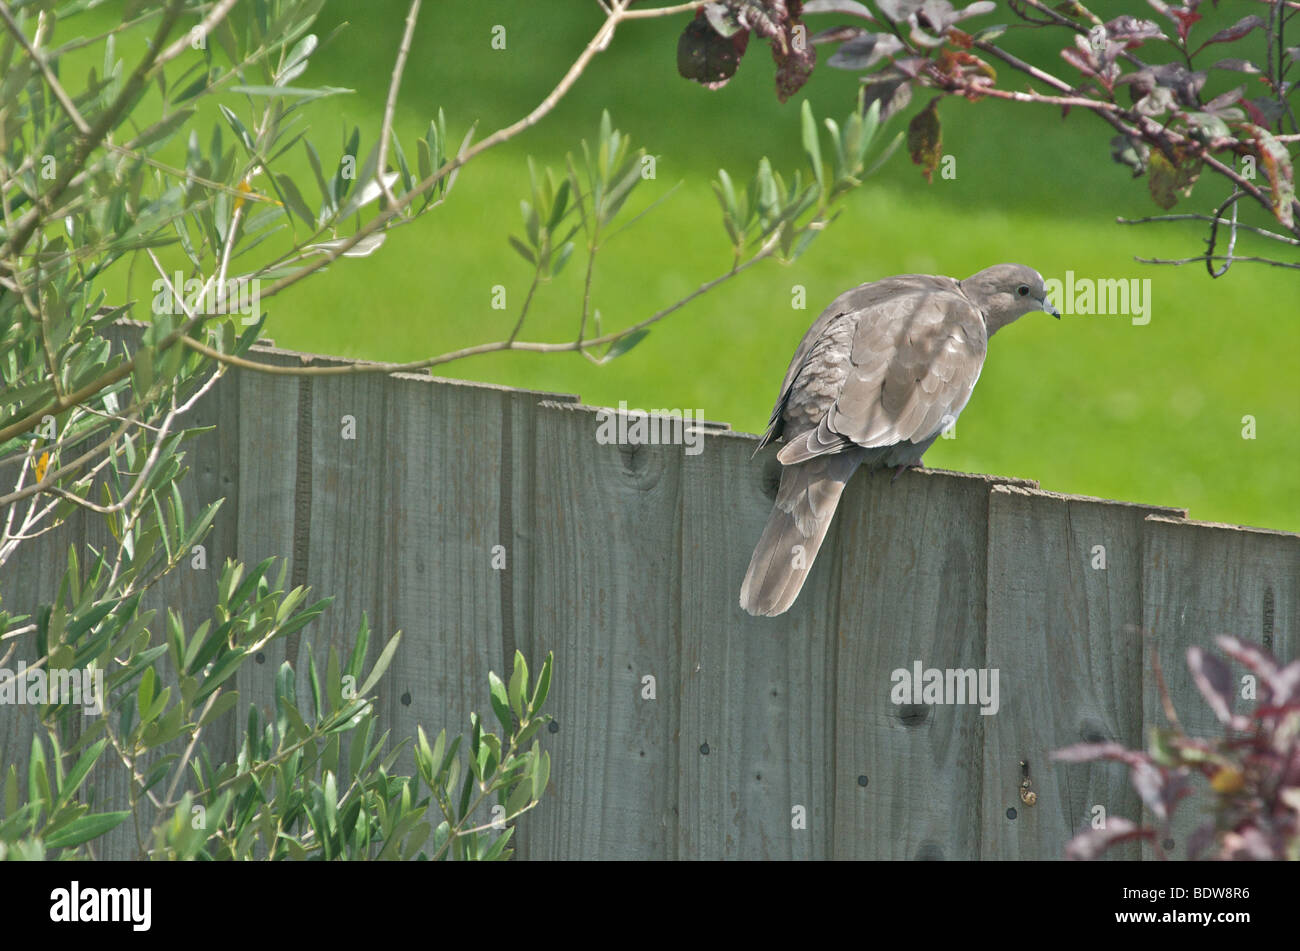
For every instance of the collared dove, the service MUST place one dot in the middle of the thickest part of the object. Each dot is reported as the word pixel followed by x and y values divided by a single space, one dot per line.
pixel 880 374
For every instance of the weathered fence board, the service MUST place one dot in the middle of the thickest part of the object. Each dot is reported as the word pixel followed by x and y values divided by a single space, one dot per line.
pixel 756 694
pixel 1064 608
pixel 437 536
pixel 912 581
pixel 479 519
pixel 606 535
pixel 271 412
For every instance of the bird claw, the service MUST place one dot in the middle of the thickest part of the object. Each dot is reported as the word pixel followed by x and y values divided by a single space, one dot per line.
pixel 898 470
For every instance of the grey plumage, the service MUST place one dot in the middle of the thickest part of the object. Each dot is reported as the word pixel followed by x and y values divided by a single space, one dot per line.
pixel 873 383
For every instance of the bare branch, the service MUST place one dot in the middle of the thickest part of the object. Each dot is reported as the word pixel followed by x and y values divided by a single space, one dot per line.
pixel 769 247
pixel 1217 257
pixel 1214 236
pixel 390 106
pixel 1262 232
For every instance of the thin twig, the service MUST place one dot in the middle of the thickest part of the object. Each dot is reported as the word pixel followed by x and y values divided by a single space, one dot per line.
pixel 348 368
pixel 66 469
pixel 1217 257
pixel 528 299
pixel 662 11
pixel 390 106
pixel 189 750
pixel 1214 236
pixel 1262 232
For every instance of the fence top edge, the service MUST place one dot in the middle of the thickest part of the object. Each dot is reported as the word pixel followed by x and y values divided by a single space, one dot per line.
pixel 1159 519
pixel 307 359
pixel 991 479
pixel 711 427
pixel 1166 511
pixel 1009 485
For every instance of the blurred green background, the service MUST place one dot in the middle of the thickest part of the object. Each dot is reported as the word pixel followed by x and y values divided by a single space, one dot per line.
pixel 1089 405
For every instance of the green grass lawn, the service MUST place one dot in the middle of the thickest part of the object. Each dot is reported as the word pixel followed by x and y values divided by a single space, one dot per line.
pixel 1091 405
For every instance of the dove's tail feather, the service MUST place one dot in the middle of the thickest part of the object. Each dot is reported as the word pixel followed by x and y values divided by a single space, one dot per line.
pixel 805 504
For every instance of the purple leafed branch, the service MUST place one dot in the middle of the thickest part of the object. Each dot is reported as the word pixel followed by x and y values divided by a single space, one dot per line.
pixel 1252 771
pixel 1144 77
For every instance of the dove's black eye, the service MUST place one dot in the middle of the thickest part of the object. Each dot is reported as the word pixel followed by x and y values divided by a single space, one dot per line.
pixel 1023 290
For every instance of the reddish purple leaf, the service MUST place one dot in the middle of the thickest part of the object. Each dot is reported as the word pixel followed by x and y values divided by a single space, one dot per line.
pixel 1286 684
pixel 893 94
pixel 1183 16
pixel 1274 710
pixel 1252 843
pixel 1149 782
pixel 1234 32
pixel 1249 656
pixel 865 51
pixel 1224 100
pixel 1238 65
pixel 1185 21
pixel 1133 31
pixel 1091 843
pixel 706 57
pixel 1213 680
pixel 1090 752
pixel 850 7
pixel 794 63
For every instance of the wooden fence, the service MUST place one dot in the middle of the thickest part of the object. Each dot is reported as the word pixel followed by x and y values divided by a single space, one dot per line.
pixel 686 728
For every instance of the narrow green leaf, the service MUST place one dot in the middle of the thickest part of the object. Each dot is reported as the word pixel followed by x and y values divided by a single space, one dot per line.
pixel 543 686
pixel 518 681
pixel 300 92
pixel 519 800
pixel 626 343
pixel 86 828
pixel 499 703
pixel 542 775
pixel 523 250
pixel 219 707
pixel 561 258
pixel 69 786
pixel 144 695
pixel 381 665
pixel 294 201
pixel 497 850
pixel 811 146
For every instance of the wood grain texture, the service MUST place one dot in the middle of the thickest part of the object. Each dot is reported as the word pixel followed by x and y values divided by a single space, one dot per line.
pixel 1201 581
pixel 265 504
pixel 911 586
pixel 1064 611
pixel 755 744
pixel 606 586
pixel 441 588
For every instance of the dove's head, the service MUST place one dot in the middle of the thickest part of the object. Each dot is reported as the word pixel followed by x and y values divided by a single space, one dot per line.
pixel 1006 292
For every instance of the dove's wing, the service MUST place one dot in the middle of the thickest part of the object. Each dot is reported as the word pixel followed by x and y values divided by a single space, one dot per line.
pixel 894 369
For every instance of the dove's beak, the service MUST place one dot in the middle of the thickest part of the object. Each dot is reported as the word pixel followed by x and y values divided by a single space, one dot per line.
pixel 1047 308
